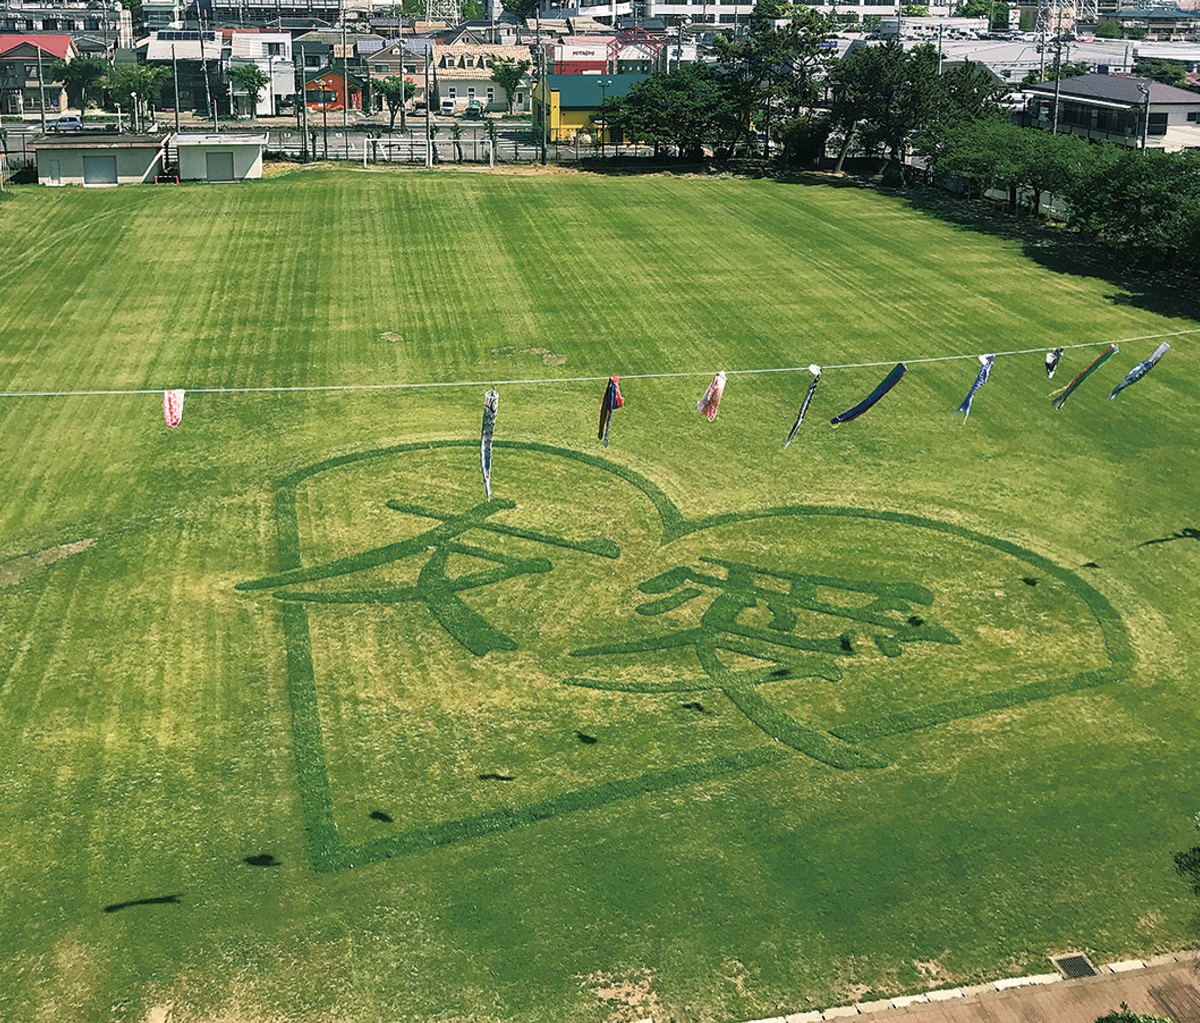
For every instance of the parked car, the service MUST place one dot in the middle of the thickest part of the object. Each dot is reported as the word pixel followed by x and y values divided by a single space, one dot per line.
pixel 68 122
pixel 448 108
pixel 474 110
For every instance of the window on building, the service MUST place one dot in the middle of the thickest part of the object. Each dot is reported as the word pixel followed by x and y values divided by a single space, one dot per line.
pixel 491 94
pixel 1157 125
pixel 274 49
pixel 452 92
pixel 470 92
pixel 1194 116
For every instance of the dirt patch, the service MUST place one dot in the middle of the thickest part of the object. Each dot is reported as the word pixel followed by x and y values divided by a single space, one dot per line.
pixel 930 969
pixel 549 358
pixel 629 998
pixel 390 335
pixel 18 569
pixel 159 1014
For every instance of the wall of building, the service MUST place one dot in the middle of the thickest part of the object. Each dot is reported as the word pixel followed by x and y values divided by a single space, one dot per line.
pixel 193 161
pixel 134 166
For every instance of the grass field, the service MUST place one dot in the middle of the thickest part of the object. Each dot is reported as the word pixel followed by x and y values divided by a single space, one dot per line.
pixel 693 728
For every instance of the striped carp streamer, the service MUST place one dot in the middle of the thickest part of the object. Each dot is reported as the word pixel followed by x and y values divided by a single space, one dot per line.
pixel 985 371
pixel 173 408
pixel 1059 397
pixel 707 406
pixel 808 397
pixel 1052 362
pixel 1140 370
pixel 491 402
pixel 888 382
pixel 611 401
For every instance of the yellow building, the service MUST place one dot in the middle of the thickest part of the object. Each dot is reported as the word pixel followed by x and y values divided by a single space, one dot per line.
pixel 571 104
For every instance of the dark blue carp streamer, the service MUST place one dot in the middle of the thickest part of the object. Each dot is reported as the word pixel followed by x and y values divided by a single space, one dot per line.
pixel 808 397
pixel 491 402
pixel 890 381
pixel 985 371
pixel 611 401
pixel 1059 397
pixel 1052 362
pixel 1140 370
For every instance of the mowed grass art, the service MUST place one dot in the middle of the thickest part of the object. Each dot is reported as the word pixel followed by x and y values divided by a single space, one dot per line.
pixel 299 725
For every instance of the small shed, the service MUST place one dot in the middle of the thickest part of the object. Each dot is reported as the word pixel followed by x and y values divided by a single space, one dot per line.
pixel 98 159
pixel 223 156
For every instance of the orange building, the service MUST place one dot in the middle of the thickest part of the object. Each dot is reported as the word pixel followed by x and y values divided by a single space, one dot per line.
pixel 333 88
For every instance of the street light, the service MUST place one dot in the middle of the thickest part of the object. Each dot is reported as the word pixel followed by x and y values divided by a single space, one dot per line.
pixel 604 84
pixel 1144 89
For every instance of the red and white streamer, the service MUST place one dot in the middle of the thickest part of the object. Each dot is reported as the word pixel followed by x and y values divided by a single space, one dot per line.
pixel 173 408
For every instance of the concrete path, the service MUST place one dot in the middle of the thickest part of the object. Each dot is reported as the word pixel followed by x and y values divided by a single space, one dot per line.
pixel 1165 986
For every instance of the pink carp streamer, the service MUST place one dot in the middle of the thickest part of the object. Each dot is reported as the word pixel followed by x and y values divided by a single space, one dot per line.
pixel 173 408
pixel 707 406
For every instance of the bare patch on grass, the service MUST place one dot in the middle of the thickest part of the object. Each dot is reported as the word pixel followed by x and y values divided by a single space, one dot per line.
pixel 549 358
pixel 18 569
pixel 390 335
pixel 159 1014
pixel 631 997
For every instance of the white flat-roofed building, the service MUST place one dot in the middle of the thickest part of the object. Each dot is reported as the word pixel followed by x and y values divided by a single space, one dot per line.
pixel 224 156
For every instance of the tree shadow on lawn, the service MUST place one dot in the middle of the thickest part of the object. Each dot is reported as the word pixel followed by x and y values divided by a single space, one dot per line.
pixel 1063 251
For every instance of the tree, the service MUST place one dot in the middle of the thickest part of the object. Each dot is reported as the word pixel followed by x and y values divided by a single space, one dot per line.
pixel 1168 72
pixel 687 107
pixel 79 76
pixel 1108 30
pixel 523 9
pixel 1069 70
pixel 507 74
pixel 779 64
pixel 884 98
pixel 1144 203
pixel 914 11
pixel 456 136
pixel 1125 1015
pixel 396 91
pixel 144 79
pixel 994 10
pixel 250 79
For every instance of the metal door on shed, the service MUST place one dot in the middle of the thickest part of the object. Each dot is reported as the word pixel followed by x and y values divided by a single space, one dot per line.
pixel 218 166
pixel 99 170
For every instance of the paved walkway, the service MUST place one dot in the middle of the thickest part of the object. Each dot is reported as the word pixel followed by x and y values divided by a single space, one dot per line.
pixel 1165 986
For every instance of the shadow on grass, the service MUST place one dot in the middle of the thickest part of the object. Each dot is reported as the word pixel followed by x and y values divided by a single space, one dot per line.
pixel 1063 251
pixel 157 900
pixel 1058 249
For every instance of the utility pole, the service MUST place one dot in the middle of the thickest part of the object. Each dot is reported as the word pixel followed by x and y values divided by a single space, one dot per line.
pixel 346 92
pixel 1057 72
pixel 208 96
pixel 175 74
pixel 304 106
pixel 428 107
pixel 542 77
pixel 41 86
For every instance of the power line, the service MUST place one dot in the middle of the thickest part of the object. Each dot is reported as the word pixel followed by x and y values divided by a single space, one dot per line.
pixel 532 381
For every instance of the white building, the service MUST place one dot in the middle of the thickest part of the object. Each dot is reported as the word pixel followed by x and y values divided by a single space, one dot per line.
pixel 271 52
pixel 1127 111
pixel 100 159
pixel 219 157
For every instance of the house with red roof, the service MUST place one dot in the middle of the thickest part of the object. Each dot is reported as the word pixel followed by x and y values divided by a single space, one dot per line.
pixel 26 63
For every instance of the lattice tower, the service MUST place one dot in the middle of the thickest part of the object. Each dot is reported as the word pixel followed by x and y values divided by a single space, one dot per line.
pixel 442 10
pixel 1058 16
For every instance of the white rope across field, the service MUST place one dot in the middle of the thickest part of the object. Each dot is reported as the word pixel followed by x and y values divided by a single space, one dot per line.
pixel 532 381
